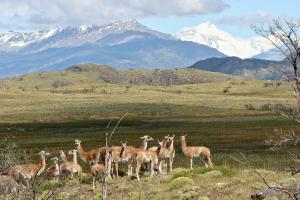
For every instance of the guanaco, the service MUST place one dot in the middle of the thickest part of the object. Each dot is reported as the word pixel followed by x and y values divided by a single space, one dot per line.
pixel 171 148
pixel 132 152
pixel 69 168
pixel 145 157
pixel 167 154
pixel 98 170
pixel 53 171
pixel 92 156
pixel 25 172
pixel 193 152
pixel 118 155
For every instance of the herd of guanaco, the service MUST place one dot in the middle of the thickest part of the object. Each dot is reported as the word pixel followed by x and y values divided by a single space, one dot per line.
pixel 156 159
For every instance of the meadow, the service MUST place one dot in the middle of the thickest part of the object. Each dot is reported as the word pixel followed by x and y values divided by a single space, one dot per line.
pixel 232 117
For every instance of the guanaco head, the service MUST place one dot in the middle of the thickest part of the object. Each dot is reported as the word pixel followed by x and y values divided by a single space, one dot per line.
pixel 72 152
pixel 147 138
pixel 44 153
pixel 55 160
pixel 160 143
pixel 124 144
pixel 62 155
pixel 172 137
pixel 123 150
pixel 77 142
pixel 182 137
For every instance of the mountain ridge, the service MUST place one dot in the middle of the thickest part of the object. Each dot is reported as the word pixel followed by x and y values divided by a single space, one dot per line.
pixel 89 74
pixel 251 67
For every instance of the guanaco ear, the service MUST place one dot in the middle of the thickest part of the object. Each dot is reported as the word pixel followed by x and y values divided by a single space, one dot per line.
pixel 173 136
pixel 126 142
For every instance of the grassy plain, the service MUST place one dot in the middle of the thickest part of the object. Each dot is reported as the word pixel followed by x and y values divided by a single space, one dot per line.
pixel 48 118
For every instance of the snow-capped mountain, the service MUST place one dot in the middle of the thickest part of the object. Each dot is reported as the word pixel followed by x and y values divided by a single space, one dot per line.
pixel 122 44
pixel 69 36
pixel 209 34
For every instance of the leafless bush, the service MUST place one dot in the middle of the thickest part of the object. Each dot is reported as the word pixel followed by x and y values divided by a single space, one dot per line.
pixel 282 139
pixel 8 155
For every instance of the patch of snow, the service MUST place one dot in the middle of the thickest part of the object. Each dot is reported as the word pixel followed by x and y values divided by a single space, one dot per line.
pixel 208 34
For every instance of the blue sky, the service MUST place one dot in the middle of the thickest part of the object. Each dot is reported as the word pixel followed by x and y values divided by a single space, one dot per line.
pixel 234 16
pixel 235 19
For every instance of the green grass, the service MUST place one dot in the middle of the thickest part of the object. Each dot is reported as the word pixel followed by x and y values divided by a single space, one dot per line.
pixel 220 183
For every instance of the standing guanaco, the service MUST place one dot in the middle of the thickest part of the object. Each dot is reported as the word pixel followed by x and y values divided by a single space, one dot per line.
pixel 98 169
pixel 69 168
pixel 131 153
pixel 118 155
pixel 92 156
pixel 194 152
pixel 25 172
pixel 53 171
pixel 145 157
pixel 170 146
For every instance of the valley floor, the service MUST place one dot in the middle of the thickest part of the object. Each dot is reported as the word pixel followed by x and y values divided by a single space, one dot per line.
pixel 220 183
pixel 233 118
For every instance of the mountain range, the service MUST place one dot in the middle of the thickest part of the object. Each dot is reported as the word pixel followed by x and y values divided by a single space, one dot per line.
pixel 129 44
pixel 121 44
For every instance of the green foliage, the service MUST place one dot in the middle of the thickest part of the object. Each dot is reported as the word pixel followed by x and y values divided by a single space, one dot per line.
pixel 180 172
pixel 216 171
pixel 52 184
pixel 180 182
pixel 203 198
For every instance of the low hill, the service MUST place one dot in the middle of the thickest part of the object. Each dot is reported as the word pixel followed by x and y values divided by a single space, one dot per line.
pixel 252 68
pixel 93 73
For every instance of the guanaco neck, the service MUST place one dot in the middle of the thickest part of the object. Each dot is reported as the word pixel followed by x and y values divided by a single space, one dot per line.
pixel 75 158
pixel 42 165
pixel 165 143
pixel 64 158
pixel 171 147
pixel 183 143
pixel 144 145
pixel 158 150
pixel 81 152
pixel 56 166
pixel 123 152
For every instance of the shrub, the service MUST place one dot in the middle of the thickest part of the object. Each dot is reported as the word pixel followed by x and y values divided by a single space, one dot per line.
pixel 249 107
pixel 180 182
pixel 213 173
pixel 226 89
pixel 179 172
pixel 52 184
pixel 60 83
pixel 225 171
pixel 266 107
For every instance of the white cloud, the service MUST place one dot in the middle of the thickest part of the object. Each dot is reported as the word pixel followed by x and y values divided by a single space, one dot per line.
pixel 40 13
pixel 246 20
